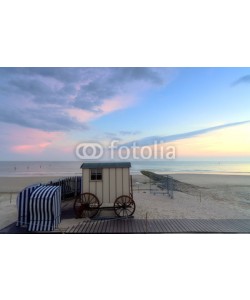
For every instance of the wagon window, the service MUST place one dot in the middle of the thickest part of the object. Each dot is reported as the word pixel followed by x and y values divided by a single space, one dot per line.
pixel 96 174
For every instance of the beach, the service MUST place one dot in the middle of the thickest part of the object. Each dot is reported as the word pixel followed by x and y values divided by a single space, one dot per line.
pixel 213 197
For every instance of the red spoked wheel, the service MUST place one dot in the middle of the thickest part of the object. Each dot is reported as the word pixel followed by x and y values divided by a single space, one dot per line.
pixel 124 206
pixel 86 206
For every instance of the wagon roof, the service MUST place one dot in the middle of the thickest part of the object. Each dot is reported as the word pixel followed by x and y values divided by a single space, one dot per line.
pixel 106 165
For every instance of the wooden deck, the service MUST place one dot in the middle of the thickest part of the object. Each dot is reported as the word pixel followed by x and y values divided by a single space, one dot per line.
pixel 140 226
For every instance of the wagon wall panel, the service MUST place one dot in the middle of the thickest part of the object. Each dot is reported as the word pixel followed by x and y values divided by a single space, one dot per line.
pixel 112 185
pixel 85 181
pixel 92 187
pixel 119 182
pixel 105 182
pixel 126 181
pixel 98 190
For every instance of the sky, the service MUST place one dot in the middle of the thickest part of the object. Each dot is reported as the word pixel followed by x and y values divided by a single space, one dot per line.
pixel 45 113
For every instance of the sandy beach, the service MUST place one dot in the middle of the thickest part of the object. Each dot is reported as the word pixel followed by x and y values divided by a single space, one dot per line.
pixel 215 197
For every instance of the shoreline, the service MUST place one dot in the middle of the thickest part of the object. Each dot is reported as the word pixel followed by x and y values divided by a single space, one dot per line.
pixel 133 174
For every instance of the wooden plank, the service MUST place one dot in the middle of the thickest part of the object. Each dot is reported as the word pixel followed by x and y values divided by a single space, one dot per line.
pixel 71 229
pixel 206 226
pixel 136 228
pixel 199 225
pixel 131 226
pixel 245 223
pixel 140 225
pixel 111 226
pixel 165 224
pixel 118 226
pixel 123 227
pixel 76 228
pixel 127 226
pixel 176 225
pixel 179 225
pixel 162 224
pixel 171 226
pixel 87 226
pixel 226 225
pixel 242 226
pixel 82 228
pixel 100 226
pixel 104 226
pixel 115 224
pixel 158 227
pixel 67 230
pixel 93 227
pixel 153 226
pixel 107 226
pixel 90 226
pixel 210 226
pixel 188 225
pixel 162 229
pixel 234 225
pixel 221 226
pixel 97 225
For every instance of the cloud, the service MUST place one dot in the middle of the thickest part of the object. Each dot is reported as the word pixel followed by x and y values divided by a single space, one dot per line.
pixel 38 148
pixel 50 98
pixel 115 82
pixel 243 79
pixel 129 132
pixel 40 118
pixel 165 139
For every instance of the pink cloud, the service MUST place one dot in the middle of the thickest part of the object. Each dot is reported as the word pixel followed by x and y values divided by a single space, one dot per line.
pixel 108 106
pixel 30 148
pixel 27 140
pixel 36 136
pixel 67 149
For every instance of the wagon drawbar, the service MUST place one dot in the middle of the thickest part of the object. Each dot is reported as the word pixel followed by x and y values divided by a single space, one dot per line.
pixel 105 185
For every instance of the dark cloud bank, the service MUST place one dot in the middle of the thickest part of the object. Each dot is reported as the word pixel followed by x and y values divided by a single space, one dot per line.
pixel 39 97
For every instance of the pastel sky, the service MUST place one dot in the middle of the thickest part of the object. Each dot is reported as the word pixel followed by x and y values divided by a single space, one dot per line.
pixel 46 112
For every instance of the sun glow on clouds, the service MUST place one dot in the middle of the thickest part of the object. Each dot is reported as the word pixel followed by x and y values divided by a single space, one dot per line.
pixel 32 141
pixel 30 148
pixel 227 142
pixel 108 106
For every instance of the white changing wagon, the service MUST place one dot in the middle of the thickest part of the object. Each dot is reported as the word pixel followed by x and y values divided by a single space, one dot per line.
pixel 107 183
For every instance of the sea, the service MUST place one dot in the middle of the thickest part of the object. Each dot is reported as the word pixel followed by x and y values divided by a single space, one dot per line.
pixel 72 168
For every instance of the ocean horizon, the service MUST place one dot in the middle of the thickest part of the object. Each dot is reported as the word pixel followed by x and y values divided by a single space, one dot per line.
pixel 72 168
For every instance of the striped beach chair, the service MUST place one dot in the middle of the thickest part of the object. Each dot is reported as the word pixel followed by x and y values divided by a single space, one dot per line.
pixel 45 208
pixel 22 203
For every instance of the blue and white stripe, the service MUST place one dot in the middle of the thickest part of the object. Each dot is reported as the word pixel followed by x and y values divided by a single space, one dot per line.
pixel 22 203
pixel 45 208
